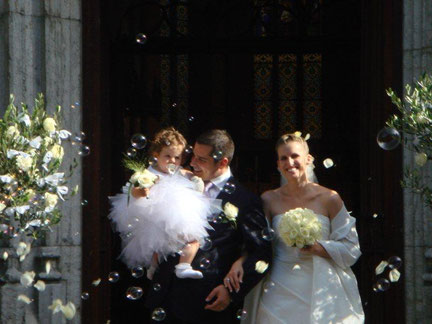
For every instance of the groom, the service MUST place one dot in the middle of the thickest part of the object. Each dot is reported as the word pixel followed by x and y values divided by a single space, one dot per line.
pixel 207 300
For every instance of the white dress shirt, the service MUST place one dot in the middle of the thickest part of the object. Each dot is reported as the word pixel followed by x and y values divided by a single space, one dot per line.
pixel 218 184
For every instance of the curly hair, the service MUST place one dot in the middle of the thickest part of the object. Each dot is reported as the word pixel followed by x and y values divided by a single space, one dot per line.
pixel 166 137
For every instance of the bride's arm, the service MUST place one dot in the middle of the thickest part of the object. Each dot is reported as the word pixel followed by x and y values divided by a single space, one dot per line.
pixel 234 277
pixel 343 245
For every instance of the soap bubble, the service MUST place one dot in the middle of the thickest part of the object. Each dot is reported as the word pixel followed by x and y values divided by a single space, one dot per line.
pixel 141 38
pixel 139 141
pixel 137 272
pixel 268 234
pixel 388 138
pixel 134 293
pixel 158 314
pixel 113 277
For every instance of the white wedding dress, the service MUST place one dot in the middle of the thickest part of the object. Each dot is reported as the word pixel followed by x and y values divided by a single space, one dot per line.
pixel 310 289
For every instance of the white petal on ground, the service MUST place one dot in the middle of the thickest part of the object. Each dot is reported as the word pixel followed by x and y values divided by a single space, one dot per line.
pixel 5 256
pixel 381 267
pixel 328 163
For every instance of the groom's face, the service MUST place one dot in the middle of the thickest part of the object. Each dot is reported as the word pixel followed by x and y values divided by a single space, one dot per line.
pixel 204 166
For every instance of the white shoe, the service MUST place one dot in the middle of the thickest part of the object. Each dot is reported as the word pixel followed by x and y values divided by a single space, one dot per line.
pixel 184 270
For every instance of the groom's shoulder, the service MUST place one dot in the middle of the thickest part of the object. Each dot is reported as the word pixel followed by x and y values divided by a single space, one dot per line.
pixel 244 192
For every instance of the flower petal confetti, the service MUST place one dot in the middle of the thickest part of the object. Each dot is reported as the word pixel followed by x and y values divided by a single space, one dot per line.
pixel 96 282
pixel 48 267
pixel 5 256
pixel 24 299
pixel 381 267
pixel 40 285
pixel 27 278
pixel 328 163
pixel 394 275
pixel 261 266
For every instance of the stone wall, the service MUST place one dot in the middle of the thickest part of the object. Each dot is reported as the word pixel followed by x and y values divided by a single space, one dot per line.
pixel 417 59
pixel 40 51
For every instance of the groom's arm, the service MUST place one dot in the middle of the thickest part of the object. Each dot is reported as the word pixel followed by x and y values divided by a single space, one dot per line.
pixel 251 223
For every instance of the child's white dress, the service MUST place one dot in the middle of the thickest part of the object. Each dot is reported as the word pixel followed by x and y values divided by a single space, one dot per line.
pixel 173 214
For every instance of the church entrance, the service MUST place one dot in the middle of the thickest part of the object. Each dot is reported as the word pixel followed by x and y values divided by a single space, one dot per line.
pixel 258 69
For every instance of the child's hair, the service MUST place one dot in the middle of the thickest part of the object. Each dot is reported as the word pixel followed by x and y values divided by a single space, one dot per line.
pixel 165 137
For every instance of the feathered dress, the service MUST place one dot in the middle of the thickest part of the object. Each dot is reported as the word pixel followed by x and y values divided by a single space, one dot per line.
pixel 173 214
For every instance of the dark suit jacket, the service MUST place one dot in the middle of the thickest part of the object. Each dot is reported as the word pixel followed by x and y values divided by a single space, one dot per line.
pixel 185 298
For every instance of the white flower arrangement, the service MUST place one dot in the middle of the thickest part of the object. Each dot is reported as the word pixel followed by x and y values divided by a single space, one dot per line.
pixel 143 179
pixel 31 153
pixel 299 227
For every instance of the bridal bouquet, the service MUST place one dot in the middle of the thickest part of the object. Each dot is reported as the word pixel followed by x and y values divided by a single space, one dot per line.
pixel 31 154
pixel 299 227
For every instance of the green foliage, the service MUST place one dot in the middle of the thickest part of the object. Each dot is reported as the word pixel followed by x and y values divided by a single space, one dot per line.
pixel 414 121
pixel 31 155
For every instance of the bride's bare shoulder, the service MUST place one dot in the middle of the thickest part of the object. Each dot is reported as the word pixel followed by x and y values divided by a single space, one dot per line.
pixel 270 195
pixel 330 199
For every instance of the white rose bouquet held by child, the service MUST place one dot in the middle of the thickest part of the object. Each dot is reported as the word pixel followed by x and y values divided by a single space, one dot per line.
pixel 163 210
pixel 300 227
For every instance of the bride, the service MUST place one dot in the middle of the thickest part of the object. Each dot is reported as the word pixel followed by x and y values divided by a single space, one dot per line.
pixel 314 284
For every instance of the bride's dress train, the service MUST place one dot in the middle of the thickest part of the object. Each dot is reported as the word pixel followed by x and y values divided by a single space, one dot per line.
pixel 310 289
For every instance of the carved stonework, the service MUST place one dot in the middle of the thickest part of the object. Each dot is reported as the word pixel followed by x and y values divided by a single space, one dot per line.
pixel 40 51
pixel 417 59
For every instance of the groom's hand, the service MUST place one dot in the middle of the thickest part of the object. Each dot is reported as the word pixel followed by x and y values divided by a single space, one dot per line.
pixel 222 300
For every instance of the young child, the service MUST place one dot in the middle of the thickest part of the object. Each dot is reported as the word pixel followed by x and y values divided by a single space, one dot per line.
pixel 168 217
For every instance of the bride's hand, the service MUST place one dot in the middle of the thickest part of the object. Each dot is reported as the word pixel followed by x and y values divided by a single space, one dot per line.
pixel 315 249
pixel 235 276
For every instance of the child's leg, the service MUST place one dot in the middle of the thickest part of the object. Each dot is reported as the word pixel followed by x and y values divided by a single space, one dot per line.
pixel 189 252
pixel 153 266
pixel 184 268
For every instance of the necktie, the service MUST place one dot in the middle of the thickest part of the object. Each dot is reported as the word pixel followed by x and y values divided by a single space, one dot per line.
pixel 207 189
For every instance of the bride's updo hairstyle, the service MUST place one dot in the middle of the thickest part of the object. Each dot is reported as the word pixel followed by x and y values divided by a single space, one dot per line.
pixel 292 137
pixel 166 137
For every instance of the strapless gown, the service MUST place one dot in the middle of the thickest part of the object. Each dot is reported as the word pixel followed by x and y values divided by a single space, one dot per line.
pixel 308 289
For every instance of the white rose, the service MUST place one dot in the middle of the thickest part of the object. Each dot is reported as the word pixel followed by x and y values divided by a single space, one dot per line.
pixel 12 132
pixel 57 151
pixel 48 141
pixel 2 206
pixel 230 211
pixel 261 266
pixel 144 179
pixel 49 124
pixel 420 159
pixel 50 199
pixel 24 162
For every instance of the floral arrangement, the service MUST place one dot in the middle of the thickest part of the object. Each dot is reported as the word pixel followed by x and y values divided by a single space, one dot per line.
pixel 415 122
pixel 299 227
pixel 31 155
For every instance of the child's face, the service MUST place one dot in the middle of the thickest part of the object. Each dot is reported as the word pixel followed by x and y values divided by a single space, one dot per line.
pixel 169 155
